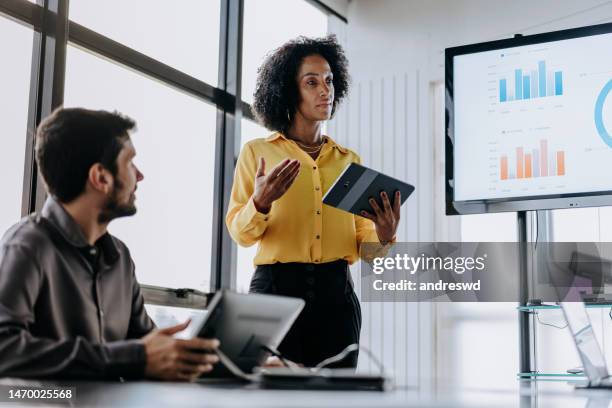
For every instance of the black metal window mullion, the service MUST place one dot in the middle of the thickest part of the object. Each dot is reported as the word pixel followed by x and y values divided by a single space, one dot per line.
pixel 53 30
pixel 46 90
pixel 145 65
pixel 223 262
pixel 327 10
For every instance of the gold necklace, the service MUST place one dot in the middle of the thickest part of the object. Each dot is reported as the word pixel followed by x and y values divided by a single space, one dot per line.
pixel 310 149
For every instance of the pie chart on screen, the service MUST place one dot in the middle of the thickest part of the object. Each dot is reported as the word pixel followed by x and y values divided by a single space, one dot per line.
pixel 600 123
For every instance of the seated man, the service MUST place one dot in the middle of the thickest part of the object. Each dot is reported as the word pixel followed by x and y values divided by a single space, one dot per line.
pixel 70 305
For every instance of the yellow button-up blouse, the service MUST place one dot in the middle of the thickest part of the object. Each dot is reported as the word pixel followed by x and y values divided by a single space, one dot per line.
pixel 299 227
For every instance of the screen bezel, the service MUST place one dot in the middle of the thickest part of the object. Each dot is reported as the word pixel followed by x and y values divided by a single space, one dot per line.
pixel 544 202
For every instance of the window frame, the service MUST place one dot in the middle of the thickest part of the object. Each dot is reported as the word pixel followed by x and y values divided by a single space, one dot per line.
pixel 53 31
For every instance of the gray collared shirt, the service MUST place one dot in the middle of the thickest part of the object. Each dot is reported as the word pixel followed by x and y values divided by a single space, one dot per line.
pixel 65 309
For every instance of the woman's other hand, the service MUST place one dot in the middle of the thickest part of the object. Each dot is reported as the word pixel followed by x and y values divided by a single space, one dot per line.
pixel 385 219
pixel 270 187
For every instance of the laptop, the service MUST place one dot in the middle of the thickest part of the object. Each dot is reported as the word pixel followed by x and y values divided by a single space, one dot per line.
pixel 247 325
pixel 588 348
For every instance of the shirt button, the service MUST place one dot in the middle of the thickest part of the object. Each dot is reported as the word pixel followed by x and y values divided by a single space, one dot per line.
pixel 92 251
pixel 101 313
pixel 309 268
pixel 317 188
pixel 314 167
pixel 310 295
pixel 310 280
pixel 318 237
pixel 318 212
pixel 266 219
pixel 316 260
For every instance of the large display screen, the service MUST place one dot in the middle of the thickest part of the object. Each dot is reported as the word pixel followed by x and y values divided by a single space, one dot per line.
pixel 533 120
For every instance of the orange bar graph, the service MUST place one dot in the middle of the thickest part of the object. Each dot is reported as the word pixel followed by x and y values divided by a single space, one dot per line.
pixel 504 168
pixel 545 162
pixel 528 169
pixel 519 163
pixel 560 163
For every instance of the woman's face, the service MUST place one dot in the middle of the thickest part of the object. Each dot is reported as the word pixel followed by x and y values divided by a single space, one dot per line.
pixel 316 88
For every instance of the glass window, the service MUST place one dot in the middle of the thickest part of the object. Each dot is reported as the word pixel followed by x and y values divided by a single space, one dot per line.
pixel 252 130
pixel 15 86
pixel 184 36
pixel 244 262
pixel 576 225
pixel 267 25
pixel 605 221
pixel 170 237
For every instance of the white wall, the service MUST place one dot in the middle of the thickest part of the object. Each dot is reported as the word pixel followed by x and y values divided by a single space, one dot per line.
pixel 397 35
pixel 396 54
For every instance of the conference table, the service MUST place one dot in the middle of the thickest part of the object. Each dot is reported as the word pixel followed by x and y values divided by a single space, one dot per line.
pixel 232 394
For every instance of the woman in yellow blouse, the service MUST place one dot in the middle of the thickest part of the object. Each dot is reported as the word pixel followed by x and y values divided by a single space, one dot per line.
pixel 279 183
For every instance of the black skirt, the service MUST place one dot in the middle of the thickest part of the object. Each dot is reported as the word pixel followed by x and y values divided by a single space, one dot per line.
pixel 331 318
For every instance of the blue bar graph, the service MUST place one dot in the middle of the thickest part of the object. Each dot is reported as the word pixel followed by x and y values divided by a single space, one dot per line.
pixel 526 87
pixel 536 83
pixel 503 94
pixel 518 84
pixel 542 77
pixel 558 83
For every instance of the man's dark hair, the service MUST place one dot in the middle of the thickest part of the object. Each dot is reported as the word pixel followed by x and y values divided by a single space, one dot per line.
pixel 276 92
pixel 70 141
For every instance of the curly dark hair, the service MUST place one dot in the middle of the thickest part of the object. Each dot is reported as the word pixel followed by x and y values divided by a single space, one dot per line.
pixel 276 91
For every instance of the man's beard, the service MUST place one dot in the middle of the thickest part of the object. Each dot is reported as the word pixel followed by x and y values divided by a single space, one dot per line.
pixel 114 209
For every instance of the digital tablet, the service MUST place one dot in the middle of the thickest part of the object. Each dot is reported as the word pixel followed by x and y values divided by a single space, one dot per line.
pixel 245 325
pixel 356 184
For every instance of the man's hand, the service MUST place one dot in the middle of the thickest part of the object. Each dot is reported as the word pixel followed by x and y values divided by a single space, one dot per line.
pixel 270 187
pixel 385 219
pixel 175 359
pixel 275 362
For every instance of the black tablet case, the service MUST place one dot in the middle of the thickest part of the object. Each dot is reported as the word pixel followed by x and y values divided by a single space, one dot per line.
pixel 353 188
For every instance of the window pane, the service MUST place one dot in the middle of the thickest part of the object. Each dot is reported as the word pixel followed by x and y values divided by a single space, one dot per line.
pixel 15 85
pixel 576 225
pixel 267 25
pixel 184 36
pixel 170 237
pixel 605 221
pixel 244 262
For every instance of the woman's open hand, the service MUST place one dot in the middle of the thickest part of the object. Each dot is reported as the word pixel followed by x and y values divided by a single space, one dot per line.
pixel 270 187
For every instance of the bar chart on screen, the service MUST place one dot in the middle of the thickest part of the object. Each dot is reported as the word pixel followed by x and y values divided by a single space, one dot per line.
pixel 530 83
pixel 534 120
pixel 526 163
